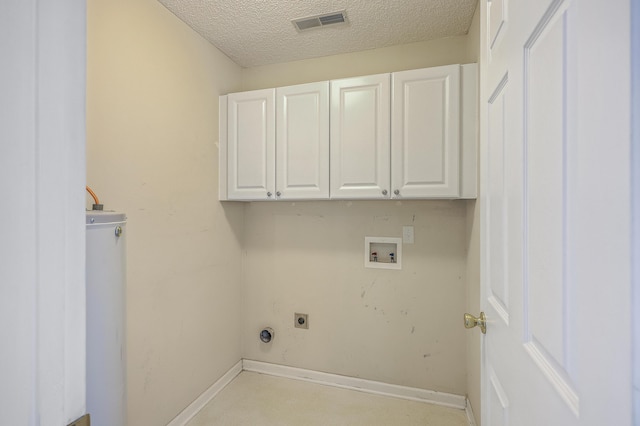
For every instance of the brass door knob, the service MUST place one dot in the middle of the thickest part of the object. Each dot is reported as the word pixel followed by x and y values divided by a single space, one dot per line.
pixel 470 321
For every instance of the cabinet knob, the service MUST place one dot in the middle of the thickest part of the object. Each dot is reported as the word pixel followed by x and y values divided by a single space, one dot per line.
pixel 397 192
pixel 269 194
pixel 384 192
pixel 278 194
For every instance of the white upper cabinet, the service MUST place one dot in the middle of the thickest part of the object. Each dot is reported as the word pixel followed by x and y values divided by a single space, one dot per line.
pixel 360 157
pixel 425 137
pixel 275 144
pixel 405 135
pixel 251 145
pixel 302 141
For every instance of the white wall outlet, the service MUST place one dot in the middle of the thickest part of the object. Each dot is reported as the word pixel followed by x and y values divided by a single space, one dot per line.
pixel 407 234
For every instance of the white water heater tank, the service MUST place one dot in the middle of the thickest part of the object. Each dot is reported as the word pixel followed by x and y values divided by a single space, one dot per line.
pixel 106 350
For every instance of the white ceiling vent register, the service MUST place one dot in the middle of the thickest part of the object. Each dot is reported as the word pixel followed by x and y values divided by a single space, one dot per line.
pixel 317 21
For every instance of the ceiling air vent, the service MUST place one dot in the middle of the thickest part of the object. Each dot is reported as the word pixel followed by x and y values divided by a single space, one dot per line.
pixel 309 22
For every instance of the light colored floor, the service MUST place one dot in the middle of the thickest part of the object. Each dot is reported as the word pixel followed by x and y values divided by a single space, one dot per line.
pixel 256 399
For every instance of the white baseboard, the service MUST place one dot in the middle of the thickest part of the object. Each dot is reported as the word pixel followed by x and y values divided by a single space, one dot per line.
pixel 362 385
pixel 345 382
pixel 470 417
pixel 197 405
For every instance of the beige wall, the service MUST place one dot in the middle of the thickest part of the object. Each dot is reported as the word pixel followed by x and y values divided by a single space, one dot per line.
pixel 402 327
pixel 473 262
pixel 152 108
pixel 452 50
pixel 473 307
pixel 473 37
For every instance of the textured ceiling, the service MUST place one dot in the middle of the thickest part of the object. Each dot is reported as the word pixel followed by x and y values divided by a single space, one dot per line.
pixel 260 32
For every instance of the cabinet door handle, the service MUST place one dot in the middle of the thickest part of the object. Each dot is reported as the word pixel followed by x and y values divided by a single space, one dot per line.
pixel 397 192
pixel 278 194
pixel 384 192
pixel 269 194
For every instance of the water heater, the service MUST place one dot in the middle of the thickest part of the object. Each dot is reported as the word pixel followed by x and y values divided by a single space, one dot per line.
pixel 106 350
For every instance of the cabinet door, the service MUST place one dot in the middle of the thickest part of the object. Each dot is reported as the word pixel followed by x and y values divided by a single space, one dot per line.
pixel 425 141
pixel 360 139
pixel 251 145
pixel 302 141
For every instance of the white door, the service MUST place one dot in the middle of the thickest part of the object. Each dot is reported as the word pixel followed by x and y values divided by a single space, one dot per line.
pixel 302 141
pixel 555 206
pixel 425 138
pixel 360 138
pixel 251 145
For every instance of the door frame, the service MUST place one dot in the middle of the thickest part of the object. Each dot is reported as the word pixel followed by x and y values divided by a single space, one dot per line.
pixel 635 202
pixel 42 175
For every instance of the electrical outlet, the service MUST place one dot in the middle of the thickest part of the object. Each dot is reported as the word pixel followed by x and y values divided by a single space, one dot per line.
pixel 407 234
pixel 301 320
